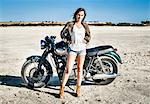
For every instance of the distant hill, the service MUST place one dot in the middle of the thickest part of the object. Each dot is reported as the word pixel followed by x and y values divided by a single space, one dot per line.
pixel 52 23
pixel 31 23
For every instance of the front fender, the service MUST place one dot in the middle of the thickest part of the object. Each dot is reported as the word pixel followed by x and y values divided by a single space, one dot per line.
pixel 115 56
pixel 36 58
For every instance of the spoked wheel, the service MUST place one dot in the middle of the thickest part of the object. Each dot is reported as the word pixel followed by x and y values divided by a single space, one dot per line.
pixel 34 77
pixel 109 68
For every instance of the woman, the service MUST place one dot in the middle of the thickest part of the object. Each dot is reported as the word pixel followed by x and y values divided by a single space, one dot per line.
pixel 77 34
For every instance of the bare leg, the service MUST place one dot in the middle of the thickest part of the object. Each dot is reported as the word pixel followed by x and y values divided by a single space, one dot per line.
pixel 80 60
pixel 69 66
pixel 70 61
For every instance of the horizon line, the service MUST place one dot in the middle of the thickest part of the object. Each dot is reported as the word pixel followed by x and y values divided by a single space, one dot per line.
pixel 96 21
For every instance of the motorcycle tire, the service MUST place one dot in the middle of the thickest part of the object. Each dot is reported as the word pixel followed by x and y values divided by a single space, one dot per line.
pixel 31 77
pixel 107 62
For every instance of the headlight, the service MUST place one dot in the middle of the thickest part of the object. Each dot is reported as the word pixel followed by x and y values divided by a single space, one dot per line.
pixel 43 44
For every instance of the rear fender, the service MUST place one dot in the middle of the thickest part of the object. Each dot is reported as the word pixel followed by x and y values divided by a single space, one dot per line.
pixel 114 56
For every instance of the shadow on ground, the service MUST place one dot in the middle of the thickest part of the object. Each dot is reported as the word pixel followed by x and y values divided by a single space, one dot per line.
pixel 16 81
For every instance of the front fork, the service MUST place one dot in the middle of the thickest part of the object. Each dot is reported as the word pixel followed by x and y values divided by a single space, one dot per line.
pixel 43 57
pixel 49 56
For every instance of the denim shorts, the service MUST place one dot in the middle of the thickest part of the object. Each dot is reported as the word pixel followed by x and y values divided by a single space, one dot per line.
pixel 77 53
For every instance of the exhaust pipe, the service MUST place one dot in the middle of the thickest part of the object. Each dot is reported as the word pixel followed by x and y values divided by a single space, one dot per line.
pixel 105 76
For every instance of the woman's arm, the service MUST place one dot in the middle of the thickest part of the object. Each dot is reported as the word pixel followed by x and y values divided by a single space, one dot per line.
pixel 87 33
pixel 64 31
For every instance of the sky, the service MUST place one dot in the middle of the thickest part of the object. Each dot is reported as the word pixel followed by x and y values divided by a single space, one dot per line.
pixel 115 11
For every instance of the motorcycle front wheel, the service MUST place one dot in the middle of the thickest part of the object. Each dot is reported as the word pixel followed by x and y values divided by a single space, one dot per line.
pixel 33 77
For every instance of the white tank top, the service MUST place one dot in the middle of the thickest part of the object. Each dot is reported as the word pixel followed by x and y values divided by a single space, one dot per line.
pixel 77 38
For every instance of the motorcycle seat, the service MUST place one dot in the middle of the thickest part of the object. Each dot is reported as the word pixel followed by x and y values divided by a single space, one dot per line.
pixel 99 50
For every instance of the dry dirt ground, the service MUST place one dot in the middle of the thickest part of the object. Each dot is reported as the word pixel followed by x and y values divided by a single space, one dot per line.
pixel 132 87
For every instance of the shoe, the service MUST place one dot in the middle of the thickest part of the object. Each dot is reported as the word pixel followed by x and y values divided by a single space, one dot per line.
pixel 61 93
pixel 78 91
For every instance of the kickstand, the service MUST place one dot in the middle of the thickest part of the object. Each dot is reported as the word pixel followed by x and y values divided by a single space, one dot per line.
pixel 70 88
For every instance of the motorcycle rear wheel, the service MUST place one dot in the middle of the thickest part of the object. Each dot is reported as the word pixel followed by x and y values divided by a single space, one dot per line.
pixel 110 67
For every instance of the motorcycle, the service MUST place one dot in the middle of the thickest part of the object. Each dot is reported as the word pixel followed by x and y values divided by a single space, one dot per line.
pixel 100 66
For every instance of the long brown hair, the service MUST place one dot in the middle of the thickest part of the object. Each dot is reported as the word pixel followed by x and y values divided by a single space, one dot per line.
pixel 77 11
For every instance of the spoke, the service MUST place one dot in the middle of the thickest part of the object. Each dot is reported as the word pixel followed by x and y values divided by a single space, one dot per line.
pixel 35 64
pixel 93 66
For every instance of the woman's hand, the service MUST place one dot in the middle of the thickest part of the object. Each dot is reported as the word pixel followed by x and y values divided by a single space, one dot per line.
pixel 66 41
pixel 84 41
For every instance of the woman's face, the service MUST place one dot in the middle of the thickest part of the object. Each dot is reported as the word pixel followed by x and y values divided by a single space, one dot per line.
pixel 80 16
